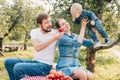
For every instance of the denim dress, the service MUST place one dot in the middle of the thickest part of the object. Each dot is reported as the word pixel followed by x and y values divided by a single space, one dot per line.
pixel 68 53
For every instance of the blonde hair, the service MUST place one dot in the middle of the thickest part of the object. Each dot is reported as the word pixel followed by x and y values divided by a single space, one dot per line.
pixel 76 6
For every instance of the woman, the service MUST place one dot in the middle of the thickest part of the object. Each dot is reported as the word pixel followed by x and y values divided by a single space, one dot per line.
pixel 69 46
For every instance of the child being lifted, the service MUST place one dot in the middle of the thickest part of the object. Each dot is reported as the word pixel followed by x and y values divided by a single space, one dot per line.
pixel 94 23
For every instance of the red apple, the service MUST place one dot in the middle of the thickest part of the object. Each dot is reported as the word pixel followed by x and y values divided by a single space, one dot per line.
pixel 63 78
pixel 57 75
pixel 60 29
pixel 61 73
pixel 51 76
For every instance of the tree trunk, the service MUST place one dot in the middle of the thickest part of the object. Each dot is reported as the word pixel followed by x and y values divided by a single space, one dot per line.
pixel 90 57
pixel 13 24
pixel 1 46
pixel 25 42
pixel 90 60
pixel 25 46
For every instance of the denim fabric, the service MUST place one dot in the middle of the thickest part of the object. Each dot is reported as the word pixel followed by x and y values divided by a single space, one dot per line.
pixel 68 46
pixel 93 35
pixel 98 25
pixel 87 43
pixel 18 68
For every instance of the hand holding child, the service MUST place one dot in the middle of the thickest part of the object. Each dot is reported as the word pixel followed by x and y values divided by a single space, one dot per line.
pixel 92 22
pixel 84 21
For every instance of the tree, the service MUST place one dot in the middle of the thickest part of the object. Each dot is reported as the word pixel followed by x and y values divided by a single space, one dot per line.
pixel 91 52
pixel 18 17
pixel 8 17
pixel 111 21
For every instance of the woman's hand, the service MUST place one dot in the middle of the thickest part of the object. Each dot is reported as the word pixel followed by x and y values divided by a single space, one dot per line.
pixel 84 21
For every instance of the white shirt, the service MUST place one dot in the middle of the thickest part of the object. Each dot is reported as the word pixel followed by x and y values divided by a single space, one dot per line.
pixel 45 55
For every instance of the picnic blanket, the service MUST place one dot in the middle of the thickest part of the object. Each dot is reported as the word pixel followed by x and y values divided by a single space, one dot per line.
pixel 34 78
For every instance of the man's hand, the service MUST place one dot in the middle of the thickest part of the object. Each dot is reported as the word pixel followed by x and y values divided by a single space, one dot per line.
pixel 58 35
pixel 92 22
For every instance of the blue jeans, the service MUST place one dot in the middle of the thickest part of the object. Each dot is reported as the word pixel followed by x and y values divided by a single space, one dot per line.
pixel 99 27
pixel 18 68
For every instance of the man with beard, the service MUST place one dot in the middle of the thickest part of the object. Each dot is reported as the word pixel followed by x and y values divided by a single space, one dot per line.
pixel 44 42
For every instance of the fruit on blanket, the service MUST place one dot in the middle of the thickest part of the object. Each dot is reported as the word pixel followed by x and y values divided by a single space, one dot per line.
pixel 61 73
pixel 60 29
pixel 54 75
pixel 57 76
pixel 51 76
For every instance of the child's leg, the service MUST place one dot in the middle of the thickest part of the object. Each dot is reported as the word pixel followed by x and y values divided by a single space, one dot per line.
pixel 97 34
pixel 92 35
pixel 99 27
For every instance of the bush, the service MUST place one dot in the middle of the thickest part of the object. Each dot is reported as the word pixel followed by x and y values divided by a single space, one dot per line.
pixel 16 36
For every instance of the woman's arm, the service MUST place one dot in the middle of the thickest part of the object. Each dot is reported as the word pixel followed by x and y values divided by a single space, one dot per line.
pixel 82 30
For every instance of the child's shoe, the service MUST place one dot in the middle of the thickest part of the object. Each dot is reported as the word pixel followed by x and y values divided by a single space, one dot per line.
pixel 106 40
pixel 96 44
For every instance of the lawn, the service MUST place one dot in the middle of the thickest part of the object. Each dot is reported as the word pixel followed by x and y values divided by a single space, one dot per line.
pixel 107 64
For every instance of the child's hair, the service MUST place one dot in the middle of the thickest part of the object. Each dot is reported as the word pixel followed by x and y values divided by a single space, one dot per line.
pixel 57 23
pixel 76 6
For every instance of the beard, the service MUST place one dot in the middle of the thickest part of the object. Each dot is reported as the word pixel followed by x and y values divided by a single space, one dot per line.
pixel 45 30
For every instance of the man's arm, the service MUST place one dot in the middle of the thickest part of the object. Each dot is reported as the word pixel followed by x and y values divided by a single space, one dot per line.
pixel 39 46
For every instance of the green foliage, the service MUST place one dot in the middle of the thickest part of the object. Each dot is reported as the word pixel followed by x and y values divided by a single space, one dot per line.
pixel 106 10
pixel 20 15
pixel 16 36
pixel 119 35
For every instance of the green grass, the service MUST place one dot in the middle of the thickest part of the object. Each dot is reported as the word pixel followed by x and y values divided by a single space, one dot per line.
pixel 3 75
pixel 107 65
pixel 17 43
pixel 18 54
